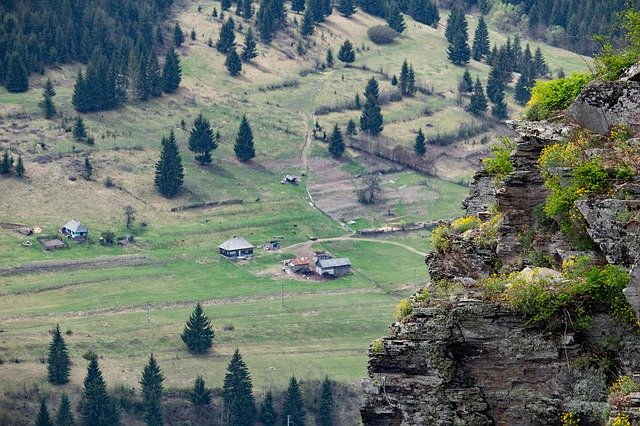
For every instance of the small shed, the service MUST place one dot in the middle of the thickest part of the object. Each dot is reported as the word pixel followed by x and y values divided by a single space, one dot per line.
pixel 75 230
pixel 54 244
pixel 290 179
pixel 236 248
pixel 333 267
pixel 300 265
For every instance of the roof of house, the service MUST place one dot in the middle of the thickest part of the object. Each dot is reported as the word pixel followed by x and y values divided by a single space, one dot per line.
pixel 300 261
pixel 236 243
pixel 75 226
pixel 333 263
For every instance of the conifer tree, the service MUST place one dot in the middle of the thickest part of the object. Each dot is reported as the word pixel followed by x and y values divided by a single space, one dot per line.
pixel 523 89
pixel 43 418
pixel 325 411
pixel 481 44
pixel 151 383
pixel 308 22
pixel 503 65
pixel 351 127
pixel 96 407
pixel 171 72
pixel 266 20
pixel 336 143
pixel 154 75
pixel 169 171
pixel 250 50
pixel 466 84
pixel 200 395
pixel 233 63
pixel 247 9
pixel 478 104
pixel 65 415
pixel 79 130
pixel 47 104
pixel 20 167
pixel 499 107
pixel 298 5
pixel 394 80
pixel 516 53
pixel 88 169
pixel 404 77
pixel 239 7
pixel 330 61
pixel 373 7
pixel 457 23
pixel 267 414
pixel 346 7
pixel 16 76
pixel 327 8
pixel 244 141
pixel 178 35
pixel 346 53
pixel 458 51
pixel 371 118
pixel 225 4
pixel 494 84
pixel 420 146
pixel 239 403
pixel 226 40
pixel 540 67
pixel 411 82
pixel 193 34
pixel 394 17
pixel 198 334
pixel 6 165
pixel 357 102
pixel 425 12
pixel 293 406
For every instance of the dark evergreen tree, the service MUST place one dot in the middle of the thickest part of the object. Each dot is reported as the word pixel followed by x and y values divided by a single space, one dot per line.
pixel 466 84
pixel 193 34
pixel 394 80
pixel 499 107
pixel 214 13
pixel 481 44
pixel 411 82
pixel 151 383
pixel 516 53
pixel 79 130
pixel 233 63
pixel 523 90
pixel 457 24
pixel 325 411
pixel 425 12
pixel 270 17
pixel 540 67
pixel 420 145
pixel 169 171
pixel 298 5
pixel 244 141
pixel 79 98
pixel 154 75
pixel 96 406
pixel 88 169
pixel 6 165
pixel 47 104
pixel 17 76
pixel 357 102
pixel 371 118
pixel 43 418
pixel 346 7
pixel 329 59
pixel 494 84
pixel 526 62
pixel 239 403
pixel 225 4
pixel 178 35
pixel 198 334
pixel 491 57
pixel 250 50
pixel 351 127
pixel 65 415
pixel 478 104
pixel 20 167
pixel 394 17
pixel 267 414
pixel 293 406
pixel 404 77
pixel 503 65
pixel 247 9
pixel 200 395
pixel 171 72
pixel 373 7
pixel 239 7
pixel 336 143
pixel 308 21
pixel 346 53
pixel 226 40
pixel 458 51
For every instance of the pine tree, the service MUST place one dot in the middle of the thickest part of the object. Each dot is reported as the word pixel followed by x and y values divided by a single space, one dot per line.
pixel 330 61
pixel 250 50
pixel 373 7
pixel 346 7
pixel 308 22
pixel 233 63
pixel 540 67
pixel 420 145
pixel 458 51
pixel 336 143
pixel 499 107
pixel 466 84
pixel 226 40
pixel 43 418
pixel 79 97
pixel 394 17
pixel 494 84
pixel 17 76
pixel 266 21
pixel 523 90
pixel 357 102
pixel 6 165
pixel 178 35
pixel 325 411
pixel 411 82
pixel 200 395
pixel 154 75
pixel 239 403
pixel 79 130
pixel 193 34
pixel 96 407
pixel 298 5
pixel 88 169
pixel 244 141
pixel 198 334
pixel 225 4
pixel 481 44
pixel 351 127
pixel 371 118
pixel 267 414
pixel 151 383
pixel 47 104
pixel 346 53
pixel 478 104
pixel 503 65
pixel 169 171
pixel 171 72
pixel 239 7
pixel 247 9
pixel 293 405
pixel 404 77
pixel 394 80
pixel 65 415
pixel 20 167
pixel 457 23
pixel 516 53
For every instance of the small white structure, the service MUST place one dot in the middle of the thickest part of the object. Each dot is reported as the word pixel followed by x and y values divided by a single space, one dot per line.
pixel 333 267
pixel 75 230
pixel 236 248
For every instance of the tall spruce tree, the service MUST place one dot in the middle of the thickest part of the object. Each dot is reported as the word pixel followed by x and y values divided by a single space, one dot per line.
pixel 271 16
pixel 169 171
pixel 43 418
pixel 458 51
pixel 247 9
pixel 17 76
pixel 154 75
pixel 267 414
pixel 466 83
pixel 65 415
pixel 503 65
pixel 351 127
pixel 200 395
pixel 178 35
pixel 329 59
pixel 457 23
pixel 308 21
pixel 478 104
pixel 87 171
pixel 540 67
pixel 494 84
pixel 522 92
pixel 420 145
pixel 198 334
pixel 481 44
pixel 499 107
pixel 293 406
pixel 20 167
pixel 151 389
pixel 394 17
pixel 373 7
pixel 227 39
pixel 233 63
pixel 404 77
pixel 425 12
pixel 225 4
pixel 411 82
pixel 371 120
pixel 346 7
pixel 47 103
pixel 239 403
pixel 325 411
pixel 6 164
pixel 171 72
pixel 79 130
pixel 336 143
pixel 346 53
pixel 96 406
pixel 202 141
pixel 244 141
pixel 250 50
pixel 298 6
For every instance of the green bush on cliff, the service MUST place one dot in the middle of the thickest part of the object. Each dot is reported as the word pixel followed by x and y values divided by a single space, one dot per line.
pixel 499 165
pixel 403 309
pixel 548 97
pixel 612 61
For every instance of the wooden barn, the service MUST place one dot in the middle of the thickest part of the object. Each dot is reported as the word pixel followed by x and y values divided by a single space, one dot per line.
pixel 74 229
pixel 333 267
pixel 236 248
pixel 300 265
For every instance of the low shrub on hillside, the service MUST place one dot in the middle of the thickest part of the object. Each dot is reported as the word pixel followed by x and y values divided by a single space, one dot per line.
pixel 548 97
pixel 403 309
pixel 499 164
pixel 382 34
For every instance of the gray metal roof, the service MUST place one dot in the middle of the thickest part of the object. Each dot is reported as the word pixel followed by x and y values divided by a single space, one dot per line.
pixel 333 263
pixel 236 243
pixel 75 226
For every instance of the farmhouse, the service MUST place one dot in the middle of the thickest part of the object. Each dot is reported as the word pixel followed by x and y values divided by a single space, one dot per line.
pixel 74 229
pixel 333 267
pixel 236 248
pixel 300 265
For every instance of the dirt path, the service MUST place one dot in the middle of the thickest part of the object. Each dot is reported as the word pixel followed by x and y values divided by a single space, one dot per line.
pixel 351 237
pixel 74 265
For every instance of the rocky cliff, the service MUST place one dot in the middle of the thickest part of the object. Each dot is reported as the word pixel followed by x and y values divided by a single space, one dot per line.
pixel 463 359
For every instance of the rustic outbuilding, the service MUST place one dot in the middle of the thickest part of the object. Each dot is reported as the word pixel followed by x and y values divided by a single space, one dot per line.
pixel 300 265
pixel 74 229
pixel 236 248
pixel 333 267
